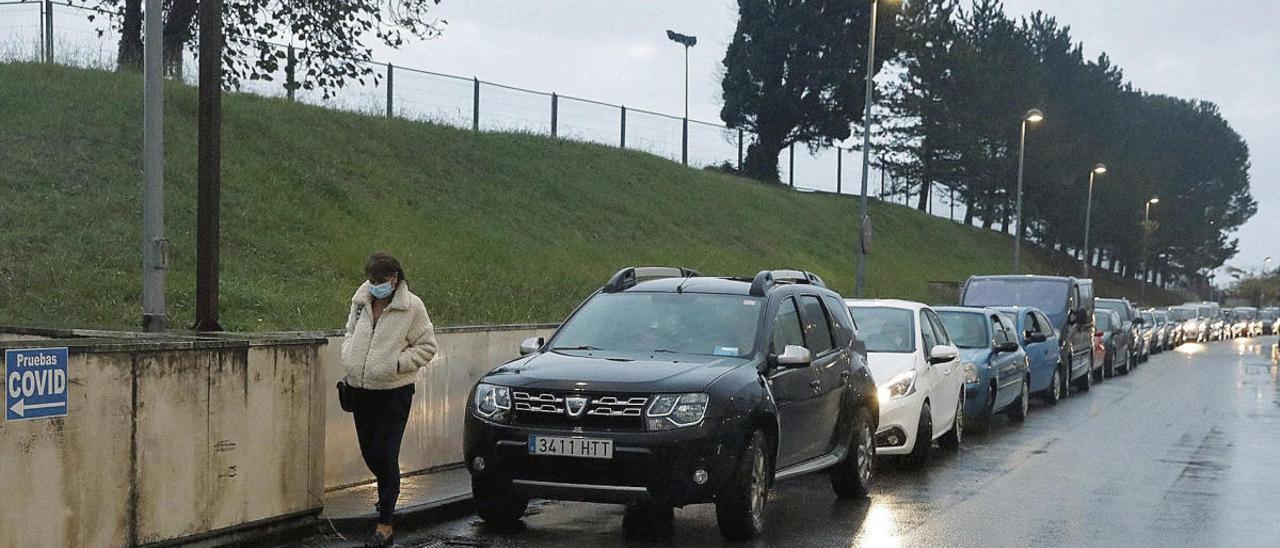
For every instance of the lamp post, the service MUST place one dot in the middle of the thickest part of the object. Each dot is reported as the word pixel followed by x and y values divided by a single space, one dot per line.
pixel 863 221
pixel 1147 229
pixel 1032 116
pixel 687 41
pixel 1088 215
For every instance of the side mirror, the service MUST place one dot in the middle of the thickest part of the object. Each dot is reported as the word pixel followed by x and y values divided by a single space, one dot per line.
pixel 942 354
pixel 1007 347
pixel 1036 337
pixel 794 357
pixel 530 345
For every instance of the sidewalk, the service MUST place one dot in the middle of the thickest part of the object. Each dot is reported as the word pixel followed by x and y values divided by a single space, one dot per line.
pixel 424 498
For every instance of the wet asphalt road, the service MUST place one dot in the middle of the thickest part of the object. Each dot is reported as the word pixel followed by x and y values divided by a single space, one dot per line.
pixel 1184 451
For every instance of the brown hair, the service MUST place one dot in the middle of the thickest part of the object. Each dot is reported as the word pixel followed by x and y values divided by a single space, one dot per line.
pixel 382 265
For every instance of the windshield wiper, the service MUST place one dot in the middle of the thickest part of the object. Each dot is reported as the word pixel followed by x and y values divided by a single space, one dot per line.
pixel 664 351
pixel 579 347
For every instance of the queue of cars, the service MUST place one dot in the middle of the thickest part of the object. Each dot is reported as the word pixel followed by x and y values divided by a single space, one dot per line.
pixel 667 388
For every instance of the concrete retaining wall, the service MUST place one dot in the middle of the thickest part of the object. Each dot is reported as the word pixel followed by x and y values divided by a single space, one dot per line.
pixel 166 439
pixel 433 437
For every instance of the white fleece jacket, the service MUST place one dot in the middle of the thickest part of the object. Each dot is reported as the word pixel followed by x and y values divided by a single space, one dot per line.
pixel 389 355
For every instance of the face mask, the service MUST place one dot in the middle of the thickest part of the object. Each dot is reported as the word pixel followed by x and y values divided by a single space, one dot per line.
pixel 382 290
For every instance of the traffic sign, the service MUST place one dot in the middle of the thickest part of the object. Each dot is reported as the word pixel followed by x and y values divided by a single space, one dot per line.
pixel 35 383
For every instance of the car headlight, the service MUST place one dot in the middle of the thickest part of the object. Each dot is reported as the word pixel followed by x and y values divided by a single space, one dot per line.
pixel 970 373
pixel 904 384
pixel 493 402
pixel 668 411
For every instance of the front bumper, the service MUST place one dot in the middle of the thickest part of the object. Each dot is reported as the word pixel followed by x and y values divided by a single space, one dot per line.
pixel 902 414
pixel 646 466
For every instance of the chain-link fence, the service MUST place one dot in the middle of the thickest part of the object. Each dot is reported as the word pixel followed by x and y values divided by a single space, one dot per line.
pixel 44 30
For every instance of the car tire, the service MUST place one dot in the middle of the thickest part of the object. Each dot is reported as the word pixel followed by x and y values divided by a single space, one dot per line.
pixel 919 455
pixel 1128 365
pixel 1085 382
pixel 496 501
pixel 1054 393
pixel 742 504
pixel 982 424
pixel 1066 378
pixel 1018 413
pixel 851 479
pixel 955 436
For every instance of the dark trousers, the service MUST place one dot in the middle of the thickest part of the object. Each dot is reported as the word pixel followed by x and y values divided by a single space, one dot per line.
pixel 380 417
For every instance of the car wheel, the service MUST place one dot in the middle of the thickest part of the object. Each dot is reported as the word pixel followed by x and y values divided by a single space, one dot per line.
pixel 1018 413
pixel 852 477
pixel 1085 382
pixel 742 503
pixel 1054 394
pixel 953 437
pixel 1066 378
pixel 919 455
pixel 1128 365
pixel 496 501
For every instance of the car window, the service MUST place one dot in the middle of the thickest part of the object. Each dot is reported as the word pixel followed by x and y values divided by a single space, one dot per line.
pixel 1103 321
pixel 967 329
pixel 817 327
pixel 1033 323
pixel 679 323
pixel 1046 326
pixel 939 330
pixel 786 326
pixel 1049 295
pixel 1000 336
pixel 885 329
pixel 839 313
pixel 926 333
pixel 1011 332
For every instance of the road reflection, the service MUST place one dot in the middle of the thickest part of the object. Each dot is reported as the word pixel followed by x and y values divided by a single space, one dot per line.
pixel 880 529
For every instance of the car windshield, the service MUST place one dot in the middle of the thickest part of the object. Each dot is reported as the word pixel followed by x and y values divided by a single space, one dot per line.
pixel 1103 321
pixel 967 329
pixel 676 323
pixel 886 329
pixel 1245 314
pixel 1117 306
pixel 1267 316
pixel 1148 318
pixel 1050 296
pixel 1181 314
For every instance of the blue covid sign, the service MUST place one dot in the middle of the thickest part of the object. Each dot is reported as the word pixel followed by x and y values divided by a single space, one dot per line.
pixel 35 383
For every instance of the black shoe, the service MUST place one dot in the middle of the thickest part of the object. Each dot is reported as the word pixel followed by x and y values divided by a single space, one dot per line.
pixel 378 540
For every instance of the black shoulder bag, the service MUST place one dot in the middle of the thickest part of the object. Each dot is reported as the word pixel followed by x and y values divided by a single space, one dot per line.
pixel 345 397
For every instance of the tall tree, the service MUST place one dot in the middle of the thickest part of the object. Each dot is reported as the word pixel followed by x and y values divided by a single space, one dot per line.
pixel 795 73
pixel 334 39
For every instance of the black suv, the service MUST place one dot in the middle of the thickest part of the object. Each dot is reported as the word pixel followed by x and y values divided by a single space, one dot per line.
pixel 666 388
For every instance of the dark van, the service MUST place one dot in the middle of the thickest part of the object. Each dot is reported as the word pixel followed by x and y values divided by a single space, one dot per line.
pixel 1067 301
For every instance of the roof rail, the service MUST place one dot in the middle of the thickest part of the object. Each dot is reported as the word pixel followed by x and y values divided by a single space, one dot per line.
pixel 766 279
pixel 628 277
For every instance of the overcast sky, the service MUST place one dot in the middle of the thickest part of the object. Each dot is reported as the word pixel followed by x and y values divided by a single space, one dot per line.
pixel 616 51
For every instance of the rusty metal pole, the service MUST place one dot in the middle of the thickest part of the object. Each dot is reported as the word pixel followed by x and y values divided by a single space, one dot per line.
pixel 209 166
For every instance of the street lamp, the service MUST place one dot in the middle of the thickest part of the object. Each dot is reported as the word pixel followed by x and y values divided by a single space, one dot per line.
pixel 1032 116
pixel 863 221
pixel 1147 229
pixel 1088 214
pixel 687 41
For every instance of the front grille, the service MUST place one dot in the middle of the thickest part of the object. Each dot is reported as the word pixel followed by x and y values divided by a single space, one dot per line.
pixel 569 410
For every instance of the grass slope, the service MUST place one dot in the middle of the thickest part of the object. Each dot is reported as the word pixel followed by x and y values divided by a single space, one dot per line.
pixel 492 228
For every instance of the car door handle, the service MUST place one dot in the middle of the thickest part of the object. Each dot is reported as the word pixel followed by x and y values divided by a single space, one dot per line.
pixel 816 385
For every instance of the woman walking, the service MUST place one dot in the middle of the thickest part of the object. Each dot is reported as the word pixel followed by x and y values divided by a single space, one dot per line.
pixel 388 338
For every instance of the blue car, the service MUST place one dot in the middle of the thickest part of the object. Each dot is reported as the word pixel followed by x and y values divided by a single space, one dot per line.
pixel 1039 339
pixel 996 367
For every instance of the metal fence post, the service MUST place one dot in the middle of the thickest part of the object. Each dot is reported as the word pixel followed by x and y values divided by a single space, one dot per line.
pixel 622 134
pixel 791 167
pixel 475 105
pixel 290 73
pixel 555 114
pixel 391 88
pixel 739 149
pixel 839 170
pixel 48 31
pixel 684 142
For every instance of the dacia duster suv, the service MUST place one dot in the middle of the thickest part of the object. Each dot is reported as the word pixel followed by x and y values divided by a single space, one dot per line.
pixel 666 388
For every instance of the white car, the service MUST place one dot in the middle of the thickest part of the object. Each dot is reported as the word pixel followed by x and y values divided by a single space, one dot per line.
pixel 918 374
